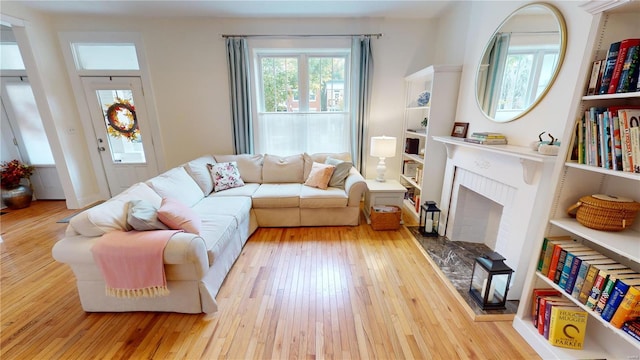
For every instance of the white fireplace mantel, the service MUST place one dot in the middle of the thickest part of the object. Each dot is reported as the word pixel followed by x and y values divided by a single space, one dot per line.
pixel 530 160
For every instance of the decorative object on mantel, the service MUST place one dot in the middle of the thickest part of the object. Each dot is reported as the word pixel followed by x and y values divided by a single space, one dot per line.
pixel 429 218
pixel 460 129
pixel 546 147
pixel 490 281
pixel 605 212
pixel 423 98
pixel 15 194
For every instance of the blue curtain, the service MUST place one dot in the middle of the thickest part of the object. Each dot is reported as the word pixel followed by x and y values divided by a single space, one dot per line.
pixel 363 76
pixel 497 60
pixel 239 86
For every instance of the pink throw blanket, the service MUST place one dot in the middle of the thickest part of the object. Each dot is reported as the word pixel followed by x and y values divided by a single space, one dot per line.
pixel 132 262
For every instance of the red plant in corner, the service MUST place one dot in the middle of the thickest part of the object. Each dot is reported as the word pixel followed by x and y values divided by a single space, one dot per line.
pixel 12 172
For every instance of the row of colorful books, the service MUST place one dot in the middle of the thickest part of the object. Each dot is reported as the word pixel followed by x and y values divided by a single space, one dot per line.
pixel 619 71
pixel 608 138
pixel 487 138
pixel 608 288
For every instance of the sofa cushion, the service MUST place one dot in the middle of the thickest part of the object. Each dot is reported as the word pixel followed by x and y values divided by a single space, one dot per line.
pixel 143 216
pixel 112 214
pixel 217 232
pixel 199 171
pixel 177 184
pixel 250 166
pixel 225 176
pixel 237 206
pixel 341 172
pixel 283 169
pixel 320 175
pixel 178 216
pixel 247 190
pixel 277 196
pixel 318 198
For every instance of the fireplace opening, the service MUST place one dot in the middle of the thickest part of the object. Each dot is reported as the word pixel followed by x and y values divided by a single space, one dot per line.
pixel 477 218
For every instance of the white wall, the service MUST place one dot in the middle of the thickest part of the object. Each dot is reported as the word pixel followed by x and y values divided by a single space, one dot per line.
pixel 187 67
pixel 553 111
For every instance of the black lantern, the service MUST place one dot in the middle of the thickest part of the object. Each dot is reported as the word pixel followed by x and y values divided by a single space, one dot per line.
pixel 429 218
pixel 490 281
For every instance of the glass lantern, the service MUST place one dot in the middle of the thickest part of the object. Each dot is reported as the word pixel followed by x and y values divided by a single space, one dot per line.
pixel 490 281
pixel 429 218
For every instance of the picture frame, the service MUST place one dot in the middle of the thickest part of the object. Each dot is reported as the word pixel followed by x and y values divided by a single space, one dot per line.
pixel 460 129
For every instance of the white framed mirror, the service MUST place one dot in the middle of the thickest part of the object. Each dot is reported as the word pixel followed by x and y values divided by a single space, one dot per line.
pixel 520 62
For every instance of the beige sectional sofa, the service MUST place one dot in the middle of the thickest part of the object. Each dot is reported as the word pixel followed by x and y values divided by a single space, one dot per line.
pixel 273 195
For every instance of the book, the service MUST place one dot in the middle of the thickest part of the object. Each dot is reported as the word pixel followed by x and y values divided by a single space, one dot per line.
pixel 594 80
pixel 547 251
pixel 628 309
pixel 609 286
pixel 632 331
pixel 620 290
pixel 558 258
pixel 542 310
pixel 488 135
pixel 581 279
pixel 598 285
pixel 537 294
pixel 486 141
pixel 590 279
pixel 634 133
pixel 616 140
pixel 567 327
pixel 629 76
pixel 620 60
pixel 562 259
pixel 576 265
pixel 609 65
pixel 568 266
pixel 549 305
pixel 628 118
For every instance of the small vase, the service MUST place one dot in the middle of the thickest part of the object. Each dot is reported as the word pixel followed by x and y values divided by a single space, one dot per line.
pixel 18 197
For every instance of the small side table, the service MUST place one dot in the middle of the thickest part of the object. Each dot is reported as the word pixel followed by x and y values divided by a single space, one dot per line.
pixel 390 192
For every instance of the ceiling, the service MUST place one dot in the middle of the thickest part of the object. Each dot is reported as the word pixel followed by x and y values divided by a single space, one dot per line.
pixel 245 8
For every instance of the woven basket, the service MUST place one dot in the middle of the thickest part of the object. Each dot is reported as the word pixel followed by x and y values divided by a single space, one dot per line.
pixel 386 220
pixel 605 212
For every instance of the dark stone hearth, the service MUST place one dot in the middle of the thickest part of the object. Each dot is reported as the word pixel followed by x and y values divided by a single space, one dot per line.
pixel 455 259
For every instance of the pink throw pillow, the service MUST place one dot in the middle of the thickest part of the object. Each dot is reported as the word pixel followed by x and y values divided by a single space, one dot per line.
pixel 320 175
pixel 178 216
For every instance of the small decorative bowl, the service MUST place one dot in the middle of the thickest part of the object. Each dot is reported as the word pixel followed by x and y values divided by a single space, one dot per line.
pixel 423 98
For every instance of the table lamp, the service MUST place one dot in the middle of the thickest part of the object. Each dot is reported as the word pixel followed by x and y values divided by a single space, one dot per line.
pixel 382 147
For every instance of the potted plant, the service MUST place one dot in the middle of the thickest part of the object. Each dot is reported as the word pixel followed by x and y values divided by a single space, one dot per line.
pixel 15 194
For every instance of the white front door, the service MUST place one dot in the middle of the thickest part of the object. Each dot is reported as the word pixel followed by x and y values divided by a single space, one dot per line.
pixel 121 126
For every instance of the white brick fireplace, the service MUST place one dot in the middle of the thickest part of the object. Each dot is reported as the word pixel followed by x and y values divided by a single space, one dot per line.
pixel 496 195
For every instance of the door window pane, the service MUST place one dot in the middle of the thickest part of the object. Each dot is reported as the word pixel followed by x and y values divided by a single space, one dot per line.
pixel 10 58
pixel 21 99
pixel 105 56
pixel 125 140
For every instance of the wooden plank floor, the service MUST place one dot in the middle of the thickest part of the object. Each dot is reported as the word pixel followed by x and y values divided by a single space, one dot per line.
pixel 335 293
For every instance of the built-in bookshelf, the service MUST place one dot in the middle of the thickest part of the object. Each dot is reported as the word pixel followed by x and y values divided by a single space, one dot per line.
pixel 423 162
pixel 613 21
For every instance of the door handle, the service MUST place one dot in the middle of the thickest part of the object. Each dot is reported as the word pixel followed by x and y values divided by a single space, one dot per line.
pixel 101 148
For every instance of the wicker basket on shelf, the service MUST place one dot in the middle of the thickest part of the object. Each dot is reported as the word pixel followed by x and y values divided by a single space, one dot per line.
pixel 605 212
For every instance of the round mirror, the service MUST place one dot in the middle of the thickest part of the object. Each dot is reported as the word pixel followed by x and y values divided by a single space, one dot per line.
pixel 520 62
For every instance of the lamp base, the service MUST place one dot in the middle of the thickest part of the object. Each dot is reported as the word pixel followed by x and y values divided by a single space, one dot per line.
pixel 380 170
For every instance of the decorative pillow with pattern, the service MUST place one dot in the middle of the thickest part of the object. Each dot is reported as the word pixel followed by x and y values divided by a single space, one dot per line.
pixel 225 175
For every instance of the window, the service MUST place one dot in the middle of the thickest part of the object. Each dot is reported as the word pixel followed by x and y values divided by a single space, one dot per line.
pixel 104 56
pixel 302 101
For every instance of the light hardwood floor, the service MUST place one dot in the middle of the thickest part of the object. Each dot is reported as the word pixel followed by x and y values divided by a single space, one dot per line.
pixel 334 292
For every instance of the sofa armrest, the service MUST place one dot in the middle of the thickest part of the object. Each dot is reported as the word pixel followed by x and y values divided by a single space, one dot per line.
pixel 355 186
pixel 182 248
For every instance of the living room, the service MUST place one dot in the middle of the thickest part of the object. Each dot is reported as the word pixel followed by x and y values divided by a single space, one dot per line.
pixel 186 88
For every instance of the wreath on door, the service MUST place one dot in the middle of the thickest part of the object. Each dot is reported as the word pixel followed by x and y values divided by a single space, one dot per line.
pixel 122 120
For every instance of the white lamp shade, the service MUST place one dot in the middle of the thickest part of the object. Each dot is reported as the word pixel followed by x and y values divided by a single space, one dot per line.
pixel 383 146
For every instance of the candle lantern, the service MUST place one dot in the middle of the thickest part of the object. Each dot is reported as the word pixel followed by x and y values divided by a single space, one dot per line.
pixel 490 281
pixel 429 218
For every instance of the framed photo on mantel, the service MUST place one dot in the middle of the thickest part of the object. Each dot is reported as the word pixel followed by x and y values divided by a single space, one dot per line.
pixel 460 130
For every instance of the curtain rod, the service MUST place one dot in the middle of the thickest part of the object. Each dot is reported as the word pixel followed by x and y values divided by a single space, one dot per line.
pixel 378 35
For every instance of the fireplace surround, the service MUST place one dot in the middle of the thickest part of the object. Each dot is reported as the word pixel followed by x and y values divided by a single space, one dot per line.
pixel 496 195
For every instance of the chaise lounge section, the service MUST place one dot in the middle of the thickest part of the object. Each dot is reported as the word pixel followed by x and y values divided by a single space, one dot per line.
pixel 270 192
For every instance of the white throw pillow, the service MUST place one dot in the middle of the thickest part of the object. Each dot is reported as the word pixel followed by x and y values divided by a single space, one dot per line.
pixel 143 216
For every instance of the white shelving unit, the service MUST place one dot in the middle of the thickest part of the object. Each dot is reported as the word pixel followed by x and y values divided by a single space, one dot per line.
pixel 614 21
pixel 442 81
